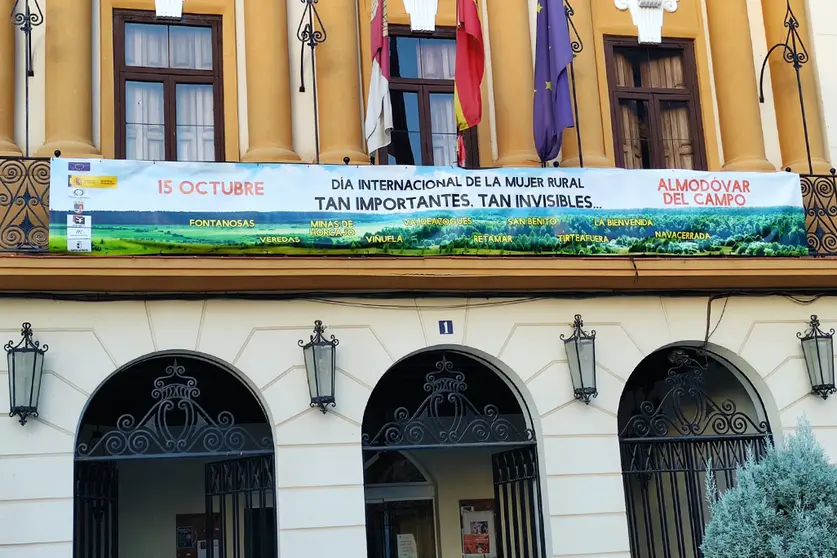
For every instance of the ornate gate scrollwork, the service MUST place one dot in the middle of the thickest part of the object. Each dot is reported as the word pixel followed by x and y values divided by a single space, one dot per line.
pixel 668 444
pixel 687 410
pixel 175 424
pixel 447 417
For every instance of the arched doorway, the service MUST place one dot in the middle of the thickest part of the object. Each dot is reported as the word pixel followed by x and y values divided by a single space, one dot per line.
pixel 463 421
pixel 174 457
pixel 683 411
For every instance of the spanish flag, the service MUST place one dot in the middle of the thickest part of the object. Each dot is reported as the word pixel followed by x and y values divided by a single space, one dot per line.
pixel 470 67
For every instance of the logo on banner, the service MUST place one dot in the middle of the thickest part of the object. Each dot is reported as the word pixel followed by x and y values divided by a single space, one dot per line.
pixel 79 167
pixel 92 181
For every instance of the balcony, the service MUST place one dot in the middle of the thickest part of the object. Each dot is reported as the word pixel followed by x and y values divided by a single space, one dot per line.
pixel 26 265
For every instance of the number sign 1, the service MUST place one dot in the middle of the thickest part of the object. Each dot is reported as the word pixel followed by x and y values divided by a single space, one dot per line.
pixel 445 327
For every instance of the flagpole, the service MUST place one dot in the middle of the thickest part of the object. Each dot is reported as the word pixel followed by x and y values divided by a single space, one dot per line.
pixel 460 139
pixel 577 46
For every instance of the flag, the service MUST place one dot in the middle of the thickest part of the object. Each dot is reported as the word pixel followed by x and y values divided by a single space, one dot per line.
pixel 470 67
pixel 553 53
pixel 379 106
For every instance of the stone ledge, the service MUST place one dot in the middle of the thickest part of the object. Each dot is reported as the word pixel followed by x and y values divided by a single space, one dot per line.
pixel 27 273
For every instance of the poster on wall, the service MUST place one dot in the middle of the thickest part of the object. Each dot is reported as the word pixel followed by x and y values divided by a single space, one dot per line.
pixel 478 530
pixel 189 527
pixel 407 547
pixel 136 208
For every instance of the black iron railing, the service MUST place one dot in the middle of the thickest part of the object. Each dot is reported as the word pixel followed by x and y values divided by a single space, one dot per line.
pixel 819 196
pixel 24 204
pixel 24 207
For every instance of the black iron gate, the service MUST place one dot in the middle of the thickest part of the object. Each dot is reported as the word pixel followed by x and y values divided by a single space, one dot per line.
pixel 240 509
pixel 95 503
pixel 518 504
pixel 668 445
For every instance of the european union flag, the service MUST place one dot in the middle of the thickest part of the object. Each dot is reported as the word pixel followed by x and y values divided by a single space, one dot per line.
pixel 553 54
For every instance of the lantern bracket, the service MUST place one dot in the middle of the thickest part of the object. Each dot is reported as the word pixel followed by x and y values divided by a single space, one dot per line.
pixel 27 344
pixel 815 332
pixel 318 338
pixel 582 393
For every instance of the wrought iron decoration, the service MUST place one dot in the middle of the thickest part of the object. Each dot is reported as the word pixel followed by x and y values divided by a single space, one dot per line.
pixel 311 33
pixel 24 204
pixel 686 410
pixel 27 19
pixel 430 425
pixel 795 53
pixel 577 45
pixel 156 433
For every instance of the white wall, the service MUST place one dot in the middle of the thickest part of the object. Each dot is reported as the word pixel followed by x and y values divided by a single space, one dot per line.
pixel 822 14
pixel 151 495
pixel 319 465
pixel 770 129
pixel 458 475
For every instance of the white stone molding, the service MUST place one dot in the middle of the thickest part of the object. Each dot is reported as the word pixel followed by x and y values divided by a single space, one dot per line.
pixel 422 14
pixel 648 17
pixel 169 9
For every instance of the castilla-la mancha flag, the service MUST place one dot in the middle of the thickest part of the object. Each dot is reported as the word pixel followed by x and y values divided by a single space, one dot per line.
pixel 379 106
pixel 470 68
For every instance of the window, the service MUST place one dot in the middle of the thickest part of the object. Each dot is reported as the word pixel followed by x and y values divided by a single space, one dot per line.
pixel 169 104
pixel 421 87
pixel 655 105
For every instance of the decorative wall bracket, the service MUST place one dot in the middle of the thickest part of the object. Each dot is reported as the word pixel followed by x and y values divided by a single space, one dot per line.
pixel 648 17
pixel 422 14
pixel 169 9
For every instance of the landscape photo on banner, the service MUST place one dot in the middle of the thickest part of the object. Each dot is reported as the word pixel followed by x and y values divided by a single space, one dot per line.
pixel 133 208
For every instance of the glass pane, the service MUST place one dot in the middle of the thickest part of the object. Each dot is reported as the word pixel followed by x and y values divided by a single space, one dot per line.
pixel 146 45
pixel 387 522
pixel 405 148
pixel 24 377
pixel 191 47
pixel 145 136
pixel 195 123
pixel 422 58
pixel 677 134
pixel 443 128
pixel 403 54
pixel 636 134
pixel 390 467
pixel 437 58
pixel 660 68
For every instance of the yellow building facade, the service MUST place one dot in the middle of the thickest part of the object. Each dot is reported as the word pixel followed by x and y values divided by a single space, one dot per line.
pixel 266 118
pixel 475 402
pixel 702 109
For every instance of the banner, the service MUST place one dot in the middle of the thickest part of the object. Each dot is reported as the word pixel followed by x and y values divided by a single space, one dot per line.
pixel 131 208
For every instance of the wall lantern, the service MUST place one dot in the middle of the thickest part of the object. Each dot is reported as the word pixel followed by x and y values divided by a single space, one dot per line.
pixel 320 359
pixel 581 356
pixel 818 350
pixel 26 367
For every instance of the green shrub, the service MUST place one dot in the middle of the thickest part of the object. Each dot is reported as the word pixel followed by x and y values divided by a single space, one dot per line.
pixel 784 506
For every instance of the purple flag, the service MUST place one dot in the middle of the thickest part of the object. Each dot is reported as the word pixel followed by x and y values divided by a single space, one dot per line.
pixel 553 53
